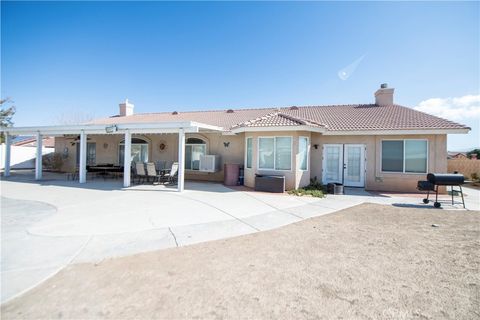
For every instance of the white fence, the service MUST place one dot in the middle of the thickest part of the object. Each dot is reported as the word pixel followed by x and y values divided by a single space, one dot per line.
pixel 21 157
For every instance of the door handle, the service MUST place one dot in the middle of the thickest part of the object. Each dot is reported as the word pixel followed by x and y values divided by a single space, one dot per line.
pixel 344 166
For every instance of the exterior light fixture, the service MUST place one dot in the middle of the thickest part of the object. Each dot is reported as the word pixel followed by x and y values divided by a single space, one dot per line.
pixel 315 146
pixel 226 144
pixel 111 129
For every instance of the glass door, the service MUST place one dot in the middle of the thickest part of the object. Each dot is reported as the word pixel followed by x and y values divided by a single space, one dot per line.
pixel 354 165
pixel 332 163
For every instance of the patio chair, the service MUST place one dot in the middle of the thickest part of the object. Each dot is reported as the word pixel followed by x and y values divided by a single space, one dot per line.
pixel 73 175
pixel 160 165
pixel 172 175
pixel 140 173
pixel 152 173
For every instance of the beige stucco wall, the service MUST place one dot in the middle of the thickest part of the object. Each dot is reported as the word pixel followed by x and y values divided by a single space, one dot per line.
pixel 375 179
pixel 107 148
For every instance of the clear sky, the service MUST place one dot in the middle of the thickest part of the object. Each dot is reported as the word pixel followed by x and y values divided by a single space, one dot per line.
pixel 59 58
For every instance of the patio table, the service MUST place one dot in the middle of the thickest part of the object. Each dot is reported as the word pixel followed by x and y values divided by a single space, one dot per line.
pixel 105 170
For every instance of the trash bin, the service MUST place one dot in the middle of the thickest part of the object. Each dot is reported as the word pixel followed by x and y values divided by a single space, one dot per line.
pixel 230 174
pixel 335 188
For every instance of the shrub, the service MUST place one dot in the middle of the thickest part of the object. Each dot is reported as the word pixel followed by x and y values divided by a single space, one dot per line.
pixel 53 161
pixel 314 189
pixel 474 176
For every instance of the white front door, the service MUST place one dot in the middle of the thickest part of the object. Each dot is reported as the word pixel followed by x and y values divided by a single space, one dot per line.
pixel 344 163
pixel 332 163
pixel 354 165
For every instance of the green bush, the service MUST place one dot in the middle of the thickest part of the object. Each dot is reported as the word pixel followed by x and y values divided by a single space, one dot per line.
pixel 474 176
pixel 314 189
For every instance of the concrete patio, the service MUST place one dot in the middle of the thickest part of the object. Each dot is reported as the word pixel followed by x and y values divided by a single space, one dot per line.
pixel 49 224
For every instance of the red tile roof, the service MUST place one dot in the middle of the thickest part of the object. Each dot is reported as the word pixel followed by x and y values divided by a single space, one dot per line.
pixel 333 118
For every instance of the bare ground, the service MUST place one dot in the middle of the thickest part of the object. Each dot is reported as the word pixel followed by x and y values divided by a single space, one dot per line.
pixel 366 262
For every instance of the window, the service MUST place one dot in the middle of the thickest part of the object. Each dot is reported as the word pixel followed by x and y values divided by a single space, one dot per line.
pixel 409 156
pixel 194 148
pixel 91 153
pixel 275 153
pixel 303 152
pixel 139 151
pixel 249 153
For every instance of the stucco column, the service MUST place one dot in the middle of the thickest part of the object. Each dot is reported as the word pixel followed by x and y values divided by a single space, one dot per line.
pixel 127 159
pixel 82 170
pixel 38 158
pixel 181 160
pixel 8 143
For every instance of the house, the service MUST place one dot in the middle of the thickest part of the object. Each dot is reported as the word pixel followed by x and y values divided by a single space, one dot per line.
pixel 457 155
pixel 378 146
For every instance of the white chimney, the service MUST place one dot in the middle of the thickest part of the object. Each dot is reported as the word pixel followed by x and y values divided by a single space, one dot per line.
pixel 126 108
pixel 384 95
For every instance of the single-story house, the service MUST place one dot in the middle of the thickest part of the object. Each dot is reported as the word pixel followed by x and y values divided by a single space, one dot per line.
pixel 379 146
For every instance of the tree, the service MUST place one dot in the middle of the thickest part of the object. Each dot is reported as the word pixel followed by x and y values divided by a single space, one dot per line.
pixel 474 151
pixel 6 114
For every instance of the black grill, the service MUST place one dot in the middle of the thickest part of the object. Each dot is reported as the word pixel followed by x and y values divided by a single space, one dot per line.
pixel 441 179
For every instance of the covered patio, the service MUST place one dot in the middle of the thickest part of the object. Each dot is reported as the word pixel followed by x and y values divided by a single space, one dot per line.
pixel 125 130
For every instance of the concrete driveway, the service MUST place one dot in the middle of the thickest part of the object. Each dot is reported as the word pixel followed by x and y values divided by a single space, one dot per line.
pixel 48 225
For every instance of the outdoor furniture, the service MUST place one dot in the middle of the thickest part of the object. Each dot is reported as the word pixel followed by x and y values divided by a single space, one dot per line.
pixel 140 173
pixel 171 175
pixel 152 173
pixel 160 165
pixel 269 183
pixel 105 170
pixel 73 175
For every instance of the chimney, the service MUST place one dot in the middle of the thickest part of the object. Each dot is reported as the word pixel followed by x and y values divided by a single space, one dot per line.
pixel 126 108
pixel 384 95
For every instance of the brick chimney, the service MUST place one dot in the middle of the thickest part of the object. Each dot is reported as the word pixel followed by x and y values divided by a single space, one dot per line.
pixel 384 95
pixel 126 108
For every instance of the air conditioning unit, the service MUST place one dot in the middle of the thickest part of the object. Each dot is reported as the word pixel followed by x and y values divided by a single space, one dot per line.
pixel 209 163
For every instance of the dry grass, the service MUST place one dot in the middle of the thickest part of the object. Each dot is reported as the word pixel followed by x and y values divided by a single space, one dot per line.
pixel 366 262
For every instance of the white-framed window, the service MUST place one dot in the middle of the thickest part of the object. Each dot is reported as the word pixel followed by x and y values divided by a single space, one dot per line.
pixel 249 153
pixel 139 151
pixel 303 149
pixel 194 148
pixel 275 153
pixel 405 156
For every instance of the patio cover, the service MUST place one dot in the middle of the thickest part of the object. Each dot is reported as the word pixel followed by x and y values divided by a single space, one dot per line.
pixel 126 129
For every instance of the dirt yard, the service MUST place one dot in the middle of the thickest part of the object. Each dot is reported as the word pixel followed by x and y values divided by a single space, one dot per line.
pixel 366 262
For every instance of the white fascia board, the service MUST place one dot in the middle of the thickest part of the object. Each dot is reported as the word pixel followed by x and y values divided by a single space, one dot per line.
pixel 205 126
pixel 166 127
pixel 278 128
pixel 396 132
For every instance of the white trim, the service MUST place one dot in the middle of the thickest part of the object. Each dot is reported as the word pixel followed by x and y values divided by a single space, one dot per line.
pixel 275 153
pixel 403 172
pixel 395 132
pixel 246 153
pixel 162 127
pixel 308 153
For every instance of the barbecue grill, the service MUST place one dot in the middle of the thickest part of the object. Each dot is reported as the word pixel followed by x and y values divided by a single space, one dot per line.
pixel 434 180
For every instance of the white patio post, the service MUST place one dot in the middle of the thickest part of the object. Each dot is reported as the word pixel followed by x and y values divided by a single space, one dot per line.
pixel 8 143
pixel 38 158
pixel 127 159
pixel 82 169
pixel 181 160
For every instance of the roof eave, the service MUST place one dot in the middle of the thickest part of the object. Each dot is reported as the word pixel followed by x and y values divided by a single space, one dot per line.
pixel 398 132
pixel 279 128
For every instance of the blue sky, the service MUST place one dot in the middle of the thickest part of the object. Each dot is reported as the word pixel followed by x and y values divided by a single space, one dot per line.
pixel 85 58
